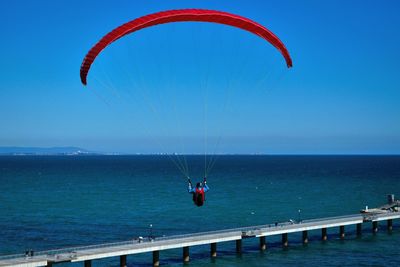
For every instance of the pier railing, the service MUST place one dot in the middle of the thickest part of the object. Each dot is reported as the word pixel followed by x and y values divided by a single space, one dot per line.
pixel 72 250
pixel 67 254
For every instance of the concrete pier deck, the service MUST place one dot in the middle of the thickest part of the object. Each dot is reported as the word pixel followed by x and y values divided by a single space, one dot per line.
pixel 120 249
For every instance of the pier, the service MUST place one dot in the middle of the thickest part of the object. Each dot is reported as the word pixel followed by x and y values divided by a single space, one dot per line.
pixel 87 254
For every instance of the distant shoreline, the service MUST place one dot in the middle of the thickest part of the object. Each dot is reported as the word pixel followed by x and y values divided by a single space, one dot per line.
pixel 77 151
pixel 197 155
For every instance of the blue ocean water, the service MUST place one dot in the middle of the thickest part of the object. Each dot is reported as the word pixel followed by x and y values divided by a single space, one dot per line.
pixel 49 202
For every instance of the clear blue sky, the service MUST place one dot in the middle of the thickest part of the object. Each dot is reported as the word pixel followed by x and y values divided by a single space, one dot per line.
pixel 341 96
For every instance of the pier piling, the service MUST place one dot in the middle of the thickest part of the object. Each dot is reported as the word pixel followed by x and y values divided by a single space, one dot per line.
pixel 88 263
pixel 359 229
pixel 374 227
pixel 263 244
pixel 186 257
pixel 239 246
pixel 156 258
pixel 122 261
pixel 390 225
pixel 213 250
pixel 305 237
pixel 324 236
pixel 285 242
pixel 341 232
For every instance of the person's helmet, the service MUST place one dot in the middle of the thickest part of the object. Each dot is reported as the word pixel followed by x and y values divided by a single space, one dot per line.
pixel 198 184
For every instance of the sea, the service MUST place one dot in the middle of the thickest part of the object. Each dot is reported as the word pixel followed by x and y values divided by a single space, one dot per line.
pixel 51 202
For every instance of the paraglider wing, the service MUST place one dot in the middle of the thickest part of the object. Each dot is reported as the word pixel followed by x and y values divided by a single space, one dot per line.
pixel 201 15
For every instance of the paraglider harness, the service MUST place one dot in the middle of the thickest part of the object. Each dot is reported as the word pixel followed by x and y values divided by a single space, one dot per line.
pixel 198 194
pixel 199 197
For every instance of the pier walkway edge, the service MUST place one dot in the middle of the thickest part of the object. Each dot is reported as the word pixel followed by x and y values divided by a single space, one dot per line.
pixel 86 254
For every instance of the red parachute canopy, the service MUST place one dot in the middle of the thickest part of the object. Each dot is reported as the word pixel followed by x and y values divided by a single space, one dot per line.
pixel 177 16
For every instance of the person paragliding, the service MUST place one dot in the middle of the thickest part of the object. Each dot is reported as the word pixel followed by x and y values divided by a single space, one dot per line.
pixel 183 15
pixel 198 192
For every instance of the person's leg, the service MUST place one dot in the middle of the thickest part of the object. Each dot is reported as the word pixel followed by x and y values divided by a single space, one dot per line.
pixel 190 187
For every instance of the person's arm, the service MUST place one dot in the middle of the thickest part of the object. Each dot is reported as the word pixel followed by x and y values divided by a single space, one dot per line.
pixel 206 188
pixel 190 187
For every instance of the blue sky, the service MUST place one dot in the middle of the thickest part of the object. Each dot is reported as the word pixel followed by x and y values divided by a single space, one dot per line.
pixel 164 89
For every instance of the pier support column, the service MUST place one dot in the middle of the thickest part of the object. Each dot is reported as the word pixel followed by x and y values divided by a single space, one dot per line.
pixel 49 264
pixel 341 232
pixel 359 229
pixel 324 236
pixel 285 242
pixel 374 227
pixel 122 261
pixel 213 250
pixel 263 243
pixel 156 258
pixel 186 257
pixel 239 246
pixel 390 225
pixel 305 237
pixel 88 263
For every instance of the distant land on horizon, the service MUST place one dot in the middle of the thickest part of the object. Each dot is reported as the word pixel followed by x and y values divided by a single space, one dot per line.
pixel 77 151
pixel 69 150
